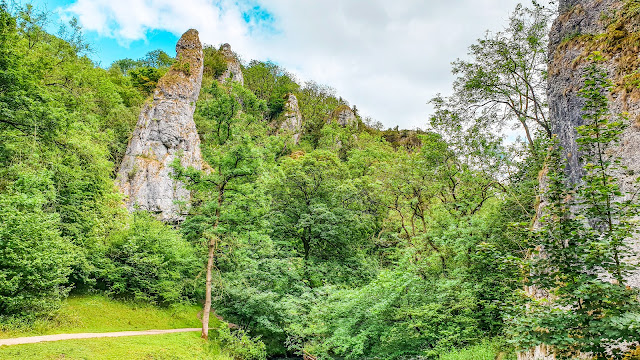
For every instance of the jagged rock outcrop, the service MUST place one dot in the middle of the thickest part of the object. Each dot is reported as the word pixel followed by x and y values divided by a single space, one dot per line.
pixel 344 116
pixel 407 139
pixel 292 118
pixel 234 69
pixel 165 131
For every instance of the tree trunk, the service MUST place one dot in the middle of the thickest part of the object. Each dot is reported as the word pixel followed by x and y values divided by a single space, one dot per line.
pixel 207 300
pixel 212 248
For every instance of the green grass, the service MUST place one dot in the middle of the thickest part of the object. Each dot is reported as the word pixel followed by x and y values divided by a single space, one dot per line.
pixel 156 347
pixel 100 314
pixel 485 351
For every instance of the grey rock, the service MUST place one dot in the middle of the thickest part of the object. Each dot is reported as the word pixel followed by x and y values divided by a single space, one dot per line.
pixel 566 69
pixel 165 131
pixel 344 116
pixel 292 118
pixel 234 69
pixel 578 22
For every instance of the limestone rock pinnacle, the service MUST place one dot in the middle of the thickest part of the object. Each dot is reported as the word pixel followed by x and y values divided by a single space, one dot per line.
pixel 165 131
pixel 234 69
pixel 292 118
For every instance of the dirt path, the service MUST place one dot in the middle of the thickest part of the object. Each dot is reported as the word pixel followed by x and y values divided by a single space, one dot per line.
pixel 37 339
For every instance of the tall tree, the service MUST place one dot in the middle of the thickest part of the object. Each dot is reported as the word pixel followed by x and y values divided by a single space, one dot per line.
pixel 271 83
pixel 234 162
pixel 504 82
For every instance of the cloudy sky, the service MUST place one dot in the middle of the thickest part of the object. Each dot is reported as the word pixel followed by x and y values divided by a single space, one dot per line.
pixel 386 57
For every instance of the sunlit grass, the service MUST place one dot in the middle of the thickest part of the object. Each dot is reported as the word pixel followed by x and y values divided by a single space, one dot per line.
pixel 100 314
pixel 485 351
pixel 168 346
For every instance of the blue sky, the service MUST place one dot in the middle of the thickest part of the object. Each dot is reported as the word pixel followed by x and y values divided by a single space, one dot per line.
pixel 107 49
pixel 389 58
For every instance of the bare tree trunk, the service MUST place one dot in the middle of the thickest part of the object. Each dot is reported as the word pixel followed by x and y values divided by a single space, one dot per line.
pixel 207 300
pixel 212 249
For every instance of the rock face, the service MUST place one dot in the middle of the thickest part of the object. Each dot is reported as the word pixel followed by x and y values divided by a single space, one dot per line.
pixel 234 69
pixel 292 118
pixel 582 27
pixel 165 131
pixel 344 116
pixel 567 60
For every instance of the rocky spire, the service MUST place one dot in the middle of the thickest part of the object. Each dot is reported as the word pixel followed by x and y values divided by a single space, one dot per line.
pixel 292 118
pixel 165 131
pixel 234 69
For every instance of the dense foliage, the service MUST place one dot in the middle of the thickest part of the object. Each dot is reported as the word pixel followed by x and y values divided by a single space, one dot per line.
pixel 355 243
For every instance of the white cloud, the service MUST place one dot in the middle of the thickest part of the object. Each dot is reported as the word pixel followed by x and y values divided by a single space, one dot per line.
pixel 387 57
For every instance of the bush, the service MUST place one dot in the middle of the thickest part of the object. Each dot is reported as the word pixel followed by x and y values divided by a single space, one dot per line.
pixel 35 260
pixel 145 79
pixel 397 316
pixel 214 63
pixel 149 261
pixel 239 345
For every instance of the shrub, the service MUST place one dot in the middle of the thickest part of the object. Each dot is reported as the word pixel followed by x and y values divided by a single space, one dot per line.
pixel 149 261
pixel 145 79
pixel 240 345
pixel 214 63
pixel 35 260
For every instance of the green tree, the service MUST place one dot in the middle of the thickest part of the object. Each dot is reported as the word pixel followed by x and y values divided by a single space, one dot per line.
pixel 214 62
pixel 148 261
pixel 321 211
pixel 157 59
pixel 146 78
pixel 59 116
pixel 504 83
pixel 35 260
pixel 317 103
pixel 234 161
pixel 271 83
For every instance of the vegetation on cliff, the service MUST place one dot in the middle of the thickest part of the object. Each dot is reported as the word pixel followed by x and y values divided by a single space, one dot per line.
pixel 352 243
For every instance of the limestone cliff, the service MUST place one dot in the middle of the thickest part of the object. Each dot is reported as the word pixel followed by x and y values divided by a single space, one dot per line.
pixel 165 131
pixel 344 116
pixel 291 118
pixel 582 27
pixel 234 69
pixel 611 27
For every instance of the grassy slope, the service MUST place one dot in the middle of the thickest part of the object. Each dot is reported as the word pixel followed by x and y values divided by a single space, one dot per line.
pixel 99 314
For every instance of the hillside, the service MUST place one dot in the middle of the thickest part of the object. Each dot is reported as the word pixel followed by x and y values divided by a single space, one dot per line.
pixel 199 190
